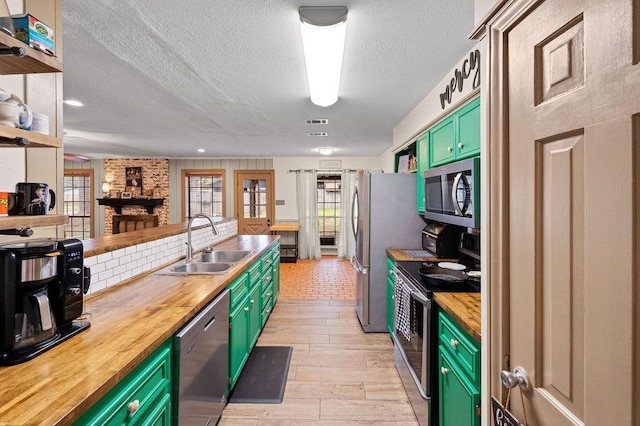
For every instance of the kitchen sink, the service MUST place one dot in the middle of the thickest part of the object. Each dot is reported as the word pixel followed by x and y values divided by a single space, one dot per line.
pixel 225 256
pixel 197 268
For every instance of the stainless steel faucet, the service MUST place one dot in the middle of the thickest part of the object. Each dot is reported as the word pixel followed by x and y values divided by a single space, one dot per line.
pixel 189 246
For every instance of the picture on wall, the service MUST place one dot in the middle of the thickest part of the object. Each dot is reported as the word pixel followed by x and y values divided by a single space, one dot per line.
pixel 134 180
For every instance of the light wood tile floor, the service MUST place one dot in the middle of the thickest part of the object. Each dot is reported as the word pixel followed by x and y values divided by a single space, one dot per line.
pixel 339 375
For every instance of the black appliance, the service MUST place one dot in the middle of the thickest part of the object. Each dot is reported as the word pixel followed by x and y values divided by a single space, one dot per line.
pixel 34 198
pixel 415 335
pixel 452 193
pixel 41 295
pixel 441 239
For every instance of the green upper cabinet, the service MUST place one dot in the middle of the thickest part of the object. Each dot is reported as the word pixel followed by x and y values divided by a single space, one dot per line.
pixel 442 138
pixel 457 136
pixel 422 152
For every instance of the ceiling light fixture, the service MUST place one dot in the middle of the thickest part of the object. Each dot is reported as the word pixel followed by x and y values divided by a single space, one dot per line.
pixel 323 33
pixel 325 151
pixel 200 149
pixel 73 102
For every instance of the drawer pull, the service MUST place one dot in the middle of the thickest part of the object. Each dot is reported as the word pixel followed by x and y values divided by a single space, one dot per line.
pixel 246 309
pixel 460 145
pixel 268 295
pixel 454 343
pixel 253 301
pixel 444 371
pixel 133 407
pixel 449 149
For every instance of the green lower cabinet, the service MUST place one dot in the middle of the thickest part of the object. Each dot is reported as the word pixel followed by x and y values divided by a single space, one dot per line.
pixel 142 398
pixel 256 295
pixel 458 396
pixel 391 265
pixel 238 341
pixel 459 376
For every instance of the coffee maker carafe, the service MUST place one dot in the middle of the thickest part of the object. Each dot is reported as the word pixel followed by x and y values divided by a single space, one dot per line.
pixel 40 296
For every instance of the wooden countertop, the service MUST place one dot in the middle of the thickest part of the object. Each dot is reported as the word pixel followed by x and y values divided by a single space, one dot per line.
pixel 463 307
pixel 128 323
pixel 285 227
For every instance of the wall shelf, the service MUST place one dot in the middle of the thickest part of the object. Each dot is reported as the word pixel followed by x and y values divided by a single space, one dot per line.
pixel 118 203
pixel 36 140
pixel 23 221
pixel 32 62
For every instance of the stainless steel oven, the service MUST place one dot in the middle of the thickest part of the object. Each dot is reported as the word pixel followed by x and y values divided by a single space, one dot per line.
pixel 414 349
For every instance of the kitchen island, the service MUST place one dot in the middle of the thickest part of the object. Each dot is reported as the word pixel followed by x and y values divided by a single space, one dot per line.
pixel 128 322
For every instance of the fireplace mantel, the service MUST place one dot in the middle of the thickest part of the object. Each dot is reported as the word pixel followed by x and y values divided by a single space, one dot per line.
pixel 118 203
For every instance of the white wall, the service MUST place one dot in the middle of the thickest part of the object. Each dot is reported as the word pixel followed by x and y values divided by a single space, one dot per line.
pixel 286 182
pixel 483 7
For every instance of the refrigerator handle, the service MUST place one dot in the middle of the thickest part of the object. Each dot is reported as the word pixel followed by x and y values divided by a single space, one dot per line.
pixel 353 207
pixel 358 266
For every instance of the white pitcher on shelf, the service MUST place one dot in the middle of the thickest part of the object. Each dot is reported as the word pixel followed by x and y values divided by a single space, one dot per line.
pixel 14 112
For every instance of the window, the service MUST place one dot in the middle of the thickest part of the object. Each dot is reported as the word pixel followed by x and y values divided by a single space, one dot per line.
pixel 203 192
pixel 78 203
pixel 329 212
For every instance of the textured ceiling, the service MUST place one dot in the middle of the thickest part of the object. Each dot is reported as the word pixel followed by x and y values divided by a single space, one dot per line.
pixel 162 78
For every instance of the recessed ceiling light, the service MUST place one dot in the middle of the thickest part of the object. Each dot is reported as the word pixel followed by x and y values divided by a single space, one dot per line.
pixel 200 150
pixel 325 151
pixel 317 121
pixel 73 102
pixel 318 134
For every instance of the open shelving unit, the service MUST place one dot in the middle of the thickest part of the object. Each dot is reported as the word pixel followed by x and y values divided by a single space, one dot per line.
pixel 17 57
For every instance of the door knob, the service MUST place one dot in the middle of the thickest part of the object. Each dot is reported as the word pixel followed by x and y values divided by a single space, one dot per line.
pixel 517 378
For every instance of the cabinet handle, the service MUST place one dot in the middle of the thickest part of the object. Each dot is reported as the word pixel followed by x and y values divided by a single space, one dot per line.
pixel 454 343
pixel 268 294
pixel 449 149
pixel 444 371
pixel 253 301
pixel 133 407
pixel 246 309
pixel 460 145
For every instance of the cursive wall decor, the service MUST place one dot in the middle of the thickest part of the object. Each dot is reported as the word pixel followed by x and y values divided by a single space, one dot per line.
pixel 470 67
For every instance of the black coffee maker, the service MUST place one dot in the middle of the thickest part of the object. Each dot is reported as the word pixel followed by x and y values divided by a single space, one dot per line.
pixel 41 295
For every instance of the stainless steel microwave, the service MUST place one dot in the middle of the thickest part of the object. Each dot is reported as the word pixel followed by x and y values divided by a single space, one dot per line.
pixel 452 193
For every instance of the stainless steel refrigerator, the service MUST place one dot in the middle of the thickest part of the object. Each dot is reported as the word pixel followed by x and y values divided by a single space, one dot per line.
pixel 383 216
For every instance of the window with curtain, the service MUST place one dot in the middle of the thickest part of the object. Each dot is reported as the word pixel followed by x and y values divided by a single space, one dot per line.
pixel 78 203
pixel 204 192
pixel 329 208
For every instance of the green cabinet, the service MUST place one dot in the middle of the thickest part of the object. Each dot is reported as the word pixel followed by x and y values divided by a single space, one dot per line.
pixel 142 398
pixel 457 136
pixel 422 152
pixel 459 379
pixel 253 296
pixel 391 265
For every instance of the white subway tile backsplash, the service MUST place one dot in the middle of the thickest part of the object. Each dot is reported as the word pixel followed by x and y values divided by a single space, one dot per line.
pixel 111 268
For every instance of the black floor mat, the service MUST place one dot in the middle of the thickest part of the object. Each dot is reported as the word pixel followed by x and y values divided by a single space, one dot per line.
pixel 264 376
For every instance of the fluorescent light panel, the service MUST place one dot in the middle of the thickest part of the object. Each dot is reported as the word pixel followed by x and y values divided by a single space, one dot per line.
pixel 323 34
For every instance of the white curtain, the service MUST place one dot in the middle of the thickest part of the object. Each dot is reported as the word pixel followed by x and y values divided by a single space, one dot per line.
pixel 346 242
pixel 309 235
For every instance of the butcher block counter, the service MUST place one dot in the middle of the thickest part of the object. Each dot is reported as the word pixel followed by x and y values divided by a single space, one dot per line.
pixel 463 307
pixel 128 322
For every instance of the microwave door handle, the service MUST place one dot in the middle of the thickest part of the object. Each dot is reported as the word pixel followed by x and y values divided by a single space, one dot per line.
pixel 454 194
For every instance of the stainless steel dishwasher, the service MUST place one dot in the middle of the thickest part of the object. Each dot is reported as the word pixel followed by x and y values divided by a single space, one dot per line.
pixel 201 364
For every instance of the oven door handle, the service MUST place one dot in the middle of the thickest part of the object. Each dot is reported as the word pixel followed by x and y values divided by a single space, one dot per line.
pixel 419 296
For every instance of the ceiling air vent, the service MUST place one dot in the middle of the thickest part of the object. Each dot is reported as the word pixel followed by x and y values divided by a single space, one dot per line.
pixel 318 134
pixel 317 121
